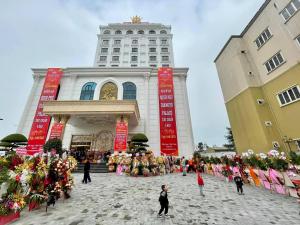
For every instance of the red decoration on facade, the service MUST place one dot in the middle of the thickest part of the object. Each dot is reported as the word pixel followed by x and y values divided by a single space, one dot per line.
pixel 41 122
pixel 120 143
pixel 168 131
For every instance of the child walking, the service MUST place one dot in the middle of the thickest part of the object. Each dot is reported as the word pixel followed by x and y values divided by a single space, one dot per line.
pixel 164 202
pixel 239 183
pixel 200 183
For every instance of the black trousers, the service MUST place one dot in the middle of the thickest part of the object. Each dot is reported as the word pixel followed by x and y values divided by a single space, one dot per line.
pixel 164 206
pixel 86 177
pixel 239 188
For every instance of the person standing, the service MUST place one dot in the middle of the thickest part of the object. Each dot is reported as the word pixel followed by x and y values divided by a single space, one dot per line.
pixel 86 170
pixel 239 183
pixel 164 202
pixel 183 163
pixel 200 183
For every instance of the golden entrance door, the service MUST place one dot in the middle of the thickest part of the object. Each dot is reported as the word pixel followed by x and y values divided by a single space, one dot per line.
pixel 103 141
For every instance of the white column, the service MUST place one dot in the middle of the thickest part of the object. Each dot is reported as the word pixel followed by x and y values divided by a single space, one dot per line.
pixel 147 102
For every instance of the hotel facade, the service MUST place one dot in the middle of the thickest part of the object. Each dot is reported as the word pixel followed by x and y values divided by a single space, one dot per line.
pixel 259 72
pixel 122 85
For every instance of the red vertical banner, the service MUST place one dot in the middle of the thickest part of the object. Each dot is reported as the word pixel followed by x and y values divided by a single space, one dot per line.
pixel 120 143
pixel 167 117
pixel 41 122
pixel 57 130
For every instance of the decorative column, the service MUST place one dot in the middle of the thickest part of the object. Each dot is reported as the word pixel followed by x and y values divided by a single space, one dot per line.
pixel 146 104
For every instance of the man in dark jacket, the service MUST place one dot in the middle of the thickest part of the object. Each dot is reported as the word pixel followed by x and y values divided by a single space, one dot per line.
pixel 164 202
pixel 239 183
pixel 86 170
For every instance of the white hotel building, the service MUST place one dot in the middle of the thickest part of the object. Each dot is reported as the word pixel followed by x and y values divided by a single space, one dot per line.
pixel 123 81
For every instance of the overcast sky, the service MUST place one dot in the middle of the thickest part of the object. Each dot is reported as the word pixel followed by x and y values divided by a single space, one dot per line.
pixel 53 33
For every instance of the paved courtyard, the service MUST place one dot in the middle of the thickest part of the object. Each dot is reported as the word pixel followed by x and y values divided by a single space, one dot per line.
pixel 110 199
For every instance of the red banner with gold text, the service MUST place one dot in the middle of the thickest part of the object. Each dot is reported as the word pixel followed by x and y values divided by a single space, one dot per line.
pixel 168 131
pixel 120 143
pixel 41 122
pixel 56 130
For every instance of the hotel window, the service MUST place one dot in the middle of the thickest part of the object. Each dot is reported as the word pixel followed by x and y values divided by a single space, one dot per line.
pixel 152 32
pixel 290 9
pixel 135 42
pixel 152 42
pixel 105 42
pixel 115 58
pixel 164 41
pixel 117 42
pixel 129 91
pixel 118 32
pixel 114 65
pixel 129 32
pixel 152 58
pixel 290 95
pixel 163 32
pixel 103 58
pixel 134 50
pixel 153 50
pixel 263 38
pixel 165 58
pixel 134 58
pixel 141 32
pixel 106 32
pixel 133 65
pixel 153 65
pixel 116 50
pixel 274 62
pixel 104 50
pixel 164 49
pixel 87 91
pixel 165 65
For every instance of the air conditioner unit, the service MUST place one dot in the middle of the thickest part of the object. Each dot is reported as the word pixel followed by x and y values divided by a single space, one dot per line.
pixel 260 101
pixel 268 123
pixel 275 144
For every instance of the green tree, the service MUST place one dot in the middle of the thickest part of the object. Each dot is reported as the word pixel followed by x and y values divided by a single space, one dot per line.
pixel 13 141
pixel 230 140
pixel 53 144
pixel 200 146
pixel 138 143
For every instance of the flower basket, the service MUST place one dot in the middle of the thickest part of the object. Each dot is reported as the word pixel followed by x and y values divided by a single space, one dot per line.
pixel 33 206
pixel 9 218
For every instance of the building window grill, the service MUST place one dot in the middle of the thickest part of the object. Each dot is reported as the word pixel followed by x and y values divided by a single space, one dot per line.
pixel 274 62
pixel 289 96
pixel 290 9
pixel 263 38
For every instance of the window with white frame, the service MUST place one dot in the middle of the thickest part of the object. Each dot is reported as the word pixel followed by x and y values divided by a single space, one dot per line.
pixel 104 50
pixel 165 65
pixel 115 58
pixel 152 58
pixel 134 50
pixel 263 38
pixel 133 65
pixel 134 58
pixel 134 41
pixel 105 42
pixel 274 62
pixel 165 58
pixel 153 65
pixel 103 58
pixel 114 65
pixel 117 42
pixel 164 49
pixel 152 41
pixel 116 50
pixel 298 39
pixel 153 50
pixel 290 9
pixel 290 95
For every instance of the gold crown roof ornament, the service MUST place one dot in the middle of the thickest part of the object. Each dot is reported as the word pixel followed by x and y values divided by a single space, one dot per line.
pixel 136 19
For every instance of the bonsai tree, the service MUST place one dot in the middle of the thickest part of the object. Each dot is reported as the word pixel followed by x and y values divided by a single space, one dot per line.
pixel 230 140
pixel 54 143
pixel 138 143
pixel 13 141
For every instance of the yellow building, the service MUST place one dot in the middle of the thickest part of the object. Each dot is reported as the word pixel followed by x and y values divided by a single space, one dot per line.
pixel 259 72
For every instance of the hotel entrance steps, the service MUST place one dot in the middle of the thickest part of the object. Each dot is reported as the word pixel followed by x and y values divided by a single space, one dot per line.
pixel 95 168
